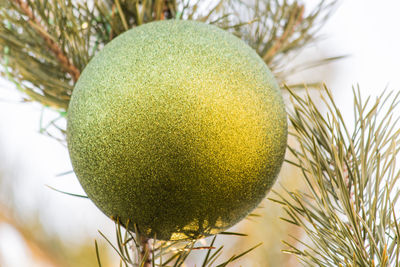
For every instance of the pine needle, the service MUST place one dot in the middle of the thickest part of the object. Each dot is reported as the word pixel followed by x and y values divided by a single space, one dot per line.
pixel 66 193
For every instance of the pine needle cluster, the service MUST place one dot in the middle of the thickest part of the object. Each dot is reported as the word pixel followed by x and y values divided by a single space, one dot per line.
pixel 154 252
pixel 349 212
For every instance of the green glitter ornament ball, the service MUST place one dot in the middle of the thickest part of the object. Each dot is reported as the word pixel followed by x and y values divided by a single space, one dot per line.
pixel 178 127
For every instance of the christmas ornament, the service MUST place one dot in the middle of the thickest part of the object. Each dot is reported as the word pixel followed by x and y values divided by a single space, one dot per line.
pixel 178 127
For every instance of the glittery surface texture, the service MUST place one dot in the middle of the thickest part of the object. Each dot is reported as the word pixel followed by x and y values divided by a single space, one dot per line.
pixel 178 127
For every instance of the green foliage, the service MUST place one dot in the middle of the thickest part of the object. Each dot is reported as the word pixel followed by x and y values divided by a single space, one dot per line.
pixel 164 253
pixel 349 211
pixel 44 45
pixel 277 30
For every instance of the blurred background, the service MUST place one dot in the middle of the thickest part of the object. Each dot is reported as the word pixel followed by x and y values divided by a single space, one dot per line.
pixel 42 227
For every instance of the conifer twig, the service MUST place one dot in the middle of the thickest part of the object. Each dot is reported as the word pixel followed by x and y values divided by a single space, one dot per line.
pixel 348 211
pixel 145 252
pixel 294 20
pixel 51 44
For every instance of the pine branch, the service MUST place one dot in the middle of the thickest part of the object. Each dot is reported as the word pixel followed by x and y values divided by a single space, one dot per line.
pixel 145 252
pixel 50 42
pixel 294 20
pixel 348 212
pixel 46 44
pixel 35 50
pixel 279 30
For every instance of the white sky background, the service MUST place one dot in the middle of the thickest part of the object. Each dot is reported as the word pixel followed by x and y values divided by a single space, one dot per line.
pixel 367 30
